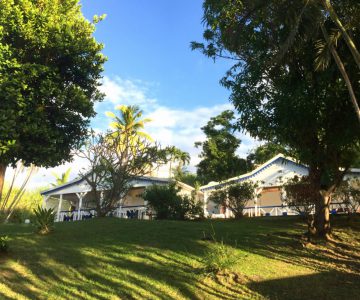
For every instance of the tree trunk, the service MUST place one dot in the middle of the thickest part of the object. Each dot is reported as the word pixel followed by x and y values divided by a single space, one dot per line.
pixel 343 72
pixel 322 215
pixel 2 178
pixel 350 43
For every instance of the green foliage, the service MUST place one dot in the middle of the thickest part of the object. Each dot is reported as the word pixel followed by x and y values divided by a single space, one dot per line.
pixel 235 196
pixel 168 203
pixel 349 194
pixel 44 220
pixel 300 195
pixel 29 201
pixel 129 122
pixel 51 68
pixel 61 179
pixel 4 244
pixel 175 154
pixel 218 158
pixel 265 152
pixel 289 102
pixel 219 258
pixel 187 177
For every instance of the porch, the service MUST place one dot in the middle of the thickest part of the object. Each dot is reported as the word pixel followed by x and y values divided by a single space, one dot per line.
pixel 124 212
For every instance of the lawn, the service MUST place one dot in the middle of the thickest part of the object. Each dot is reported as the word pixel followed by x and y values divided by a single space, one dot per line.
pixel 127 259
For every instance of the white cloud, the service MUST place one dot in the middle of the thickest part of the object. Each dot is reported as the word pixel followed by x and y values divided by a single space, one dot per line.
pixel 125 91
pixel 169 126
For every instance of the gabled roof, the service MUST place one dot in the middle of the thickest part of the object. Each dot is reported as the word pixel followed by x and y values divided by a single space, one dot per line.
pixel 276 159
pixel 77 181
pixel 252 174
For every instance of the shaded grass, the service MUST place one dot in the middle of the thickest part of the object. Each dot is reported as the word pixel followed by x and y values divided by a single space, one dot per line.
pixel 129 259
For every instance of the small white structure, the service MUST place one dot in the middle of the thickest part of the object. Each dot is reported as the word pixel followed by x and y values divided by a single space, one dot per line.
pixel 72 201
pixel 270 178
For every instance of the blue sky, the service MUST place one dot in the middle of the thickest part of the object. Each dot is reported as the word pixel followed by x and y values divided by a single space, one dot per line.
pixel 150 64
pixel 150 41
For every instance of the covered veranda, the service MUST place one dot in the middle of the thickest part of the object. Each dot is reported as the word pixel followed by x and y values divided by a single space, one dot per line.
pixel 73 201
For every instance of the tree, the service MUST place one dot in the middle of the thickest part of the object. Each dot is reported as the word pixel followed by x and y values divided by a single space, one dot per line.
pixel 62 179
pixel 50 66
pixel 264 152
pixel 129 123
pixel 290 102
pixel 114 163
pixel 218 156
pixel 337 21
pixel 235 197
pixel 182 175
pixel 349 194
pixel 175 154
pixel 299 193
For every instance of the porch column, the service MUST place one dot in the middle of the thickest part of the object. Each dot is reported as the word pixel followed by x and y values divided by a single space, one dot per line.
pixel 80 196
pixel 257 193
pixel 205 204
pixel 45 198
pixel 59 208
pixel 255 204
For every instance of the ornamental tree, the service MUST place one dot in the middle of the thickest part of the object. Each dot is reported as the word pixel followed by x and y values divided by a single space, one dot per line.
pixel 235 197
pixel 114 162
pixel 50 71
pixel 291 102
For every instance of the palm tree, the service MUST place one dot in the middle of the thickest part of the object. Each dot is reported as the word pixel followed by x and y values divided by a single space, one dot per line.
pixel 127 131
pixel 176 154
pixel 61 179
pixel 128 125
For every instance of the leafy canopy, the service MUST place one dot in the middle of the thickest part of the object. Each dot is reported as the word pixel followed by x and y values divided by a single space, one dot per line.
pixel 235 196
pixel 219 160
pixel 50 66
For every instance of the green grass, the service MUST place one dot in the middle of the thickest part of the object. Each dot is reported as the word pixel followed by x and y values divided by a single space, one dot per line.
pixel 127 259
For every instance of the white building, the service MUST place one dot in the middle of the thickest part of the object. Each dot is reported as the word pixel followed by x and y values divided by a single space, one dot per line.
pixel 270 177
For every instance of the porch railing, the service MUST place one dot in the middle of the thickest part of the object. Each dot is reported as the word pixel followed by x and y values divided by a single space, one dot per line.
pixel 124 212
pixel 67 215
pixel 131 212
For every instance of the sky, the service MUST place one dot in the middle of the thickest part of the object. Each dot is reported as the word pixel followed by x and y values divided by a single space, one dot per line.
pixel 150 64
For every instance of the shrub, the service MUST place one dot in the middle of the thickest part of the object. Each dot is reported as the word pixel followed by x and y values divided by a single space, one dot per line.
pixel 4 244
pixel 19 215
pixel 300 195
pixel 234 197
pixel 349 194
pixel 169 204
pixel 44 220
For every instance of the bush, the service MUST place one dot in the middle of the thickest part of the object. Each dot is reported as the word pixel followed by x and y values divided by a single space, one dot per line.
pixel 169 204
pixel 19 215
pixel 44 220
pixel 234 197
pixel 4 244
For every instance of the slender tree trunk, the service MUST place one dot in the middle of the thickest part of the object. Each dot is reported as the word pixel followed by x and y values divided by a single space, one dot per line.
pixel 2 178
pixel 350 43
pixel 343 72
pixel 322 215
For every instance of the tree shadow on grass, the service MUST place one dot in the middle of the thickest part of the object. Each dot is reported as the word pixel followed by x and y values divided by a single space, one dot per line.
pixel 137 260
pixel 326 285
pixel 87 265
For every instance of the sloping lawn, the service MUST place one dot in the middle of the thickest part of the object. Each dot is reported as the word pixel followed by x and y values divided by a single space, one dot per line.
pixel 127 259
